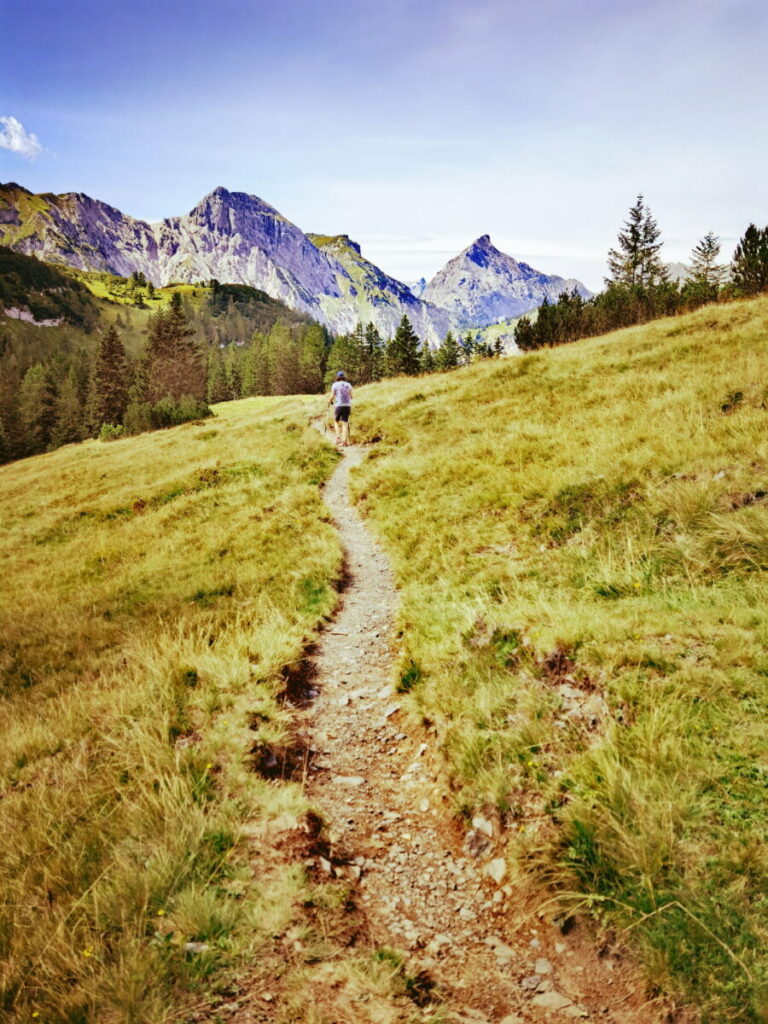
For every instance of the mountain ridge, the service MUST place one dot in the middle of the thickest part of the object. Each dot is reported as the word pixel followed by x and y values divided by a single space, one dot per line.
pixel 241 239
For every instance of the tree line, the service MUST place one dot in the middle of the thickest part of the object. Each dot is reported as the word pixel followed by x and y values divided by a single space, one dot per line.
pixel 184 367
pixel 639 288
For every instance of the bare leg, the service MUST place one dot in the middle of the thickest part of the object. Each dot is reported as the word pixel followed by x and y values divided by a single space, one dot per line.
pixel 337 430
pixel 345 433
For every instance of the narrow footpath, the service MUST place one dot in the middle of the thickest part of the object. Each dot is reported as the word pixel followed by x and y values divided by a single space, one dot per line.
pixel 443 897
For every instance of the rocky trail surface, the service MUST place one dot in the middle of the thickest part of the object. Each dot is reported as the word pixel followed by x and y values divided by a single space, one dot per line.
pixel 442 897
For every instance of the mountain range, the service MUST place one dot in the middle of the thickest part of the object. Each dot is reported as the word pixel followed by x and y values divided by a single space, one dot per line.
pixel 238 238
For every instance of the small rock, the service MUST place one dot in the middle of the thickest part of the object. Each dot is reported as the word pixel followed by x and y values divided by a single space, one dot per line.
pixel 391 710
pixel 511 1018
pixel 350 780
pixel 326 865
pixel 560 947
pixel 483 825
pixel 267 997
pixel 424 806
pixel 543 966
pixel 575 1011
pixel 534 944
pixel 531 982
pixel 196 947
pixel 551 1001
pixel 475 843
pixel 503 951
pixel 344 701
pixel 496 869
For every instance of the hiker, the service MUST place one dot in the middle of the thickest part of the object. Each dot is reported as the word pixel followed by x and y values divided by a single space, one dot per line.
pixel 341 398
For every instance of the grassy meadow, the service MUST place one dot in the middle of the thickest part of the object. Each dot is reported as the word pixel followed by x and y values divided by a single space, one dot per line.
pixel 581 540
pixel 154 589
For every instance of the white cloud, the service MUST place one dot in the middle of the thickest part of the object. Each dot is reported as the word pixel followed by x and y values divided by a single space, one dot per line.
pixel 14 136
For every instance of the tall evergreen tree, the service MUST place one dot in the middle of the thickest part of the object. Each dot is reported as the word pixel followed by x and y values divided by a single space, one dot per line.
pixel 636 261
pixel 402 354
pixel 69 424
pixel 175 365
pixel 37 409
pixel 110 376
pixel 447 356
pixel 373 355
pixel 750 261
pixel 706 275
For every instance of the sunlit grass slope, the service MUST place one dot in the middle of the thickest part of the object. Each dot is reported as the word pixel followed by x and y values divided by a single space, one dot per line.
pixel 152 590
pixel 581 538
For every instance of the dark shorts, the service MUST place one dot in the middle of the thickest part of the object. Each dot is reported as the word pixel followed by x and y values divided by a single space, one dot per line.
pixel 341 413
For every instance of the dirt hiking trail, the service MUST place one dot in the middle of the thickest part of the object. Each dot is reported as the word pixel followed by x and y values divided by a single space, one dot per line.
pixel 422 886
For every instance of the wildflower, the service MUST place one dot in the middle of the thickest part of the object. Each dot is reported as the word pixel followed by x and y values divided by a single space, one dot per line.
pixel 35 1014
pixel 161 912
pixel 88 952
pixel 636 586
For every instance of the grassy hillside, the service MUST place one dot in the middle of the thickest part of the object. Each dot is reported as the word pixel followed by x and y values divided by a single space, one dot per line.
pixel 581 539
pixel 154 589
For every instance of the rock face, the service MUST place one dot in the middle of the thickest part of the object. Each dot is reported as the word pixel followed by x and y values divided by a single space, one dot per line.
pixel 482 286
pixel 365 288
pixel 240 239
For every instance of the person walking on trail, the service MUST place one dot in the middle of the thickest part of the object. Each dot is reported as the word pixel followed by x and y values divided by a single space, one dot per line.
pixel 341 398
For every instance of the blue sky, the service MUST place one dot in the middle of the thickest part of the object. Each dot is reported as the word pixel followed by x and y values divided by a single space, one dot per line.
pixel 414 127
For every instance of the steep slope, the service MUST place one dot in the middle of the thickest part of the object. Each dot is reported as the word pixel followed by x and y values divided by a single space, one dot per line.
pixel 365 287
pixel 482 285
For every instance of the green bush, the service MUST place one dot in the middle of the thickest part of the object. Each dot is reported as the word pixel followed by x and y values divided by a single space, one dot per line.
pixel 110 431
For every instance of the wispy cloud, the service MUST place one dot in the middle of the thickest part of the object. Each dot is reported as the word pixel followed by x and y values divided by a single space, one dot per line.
pixel 14 136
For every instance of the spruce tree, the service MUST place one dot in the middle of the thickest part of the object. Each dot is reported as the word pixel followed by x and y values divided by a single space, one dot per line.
pixel 447 356
pixel 110 375
pixel 750 261
pixel 37 409
pixel 706 275
pixel 636 262
pixel 175 364
pixel 373 348
pixel 402 354
pixel 69 424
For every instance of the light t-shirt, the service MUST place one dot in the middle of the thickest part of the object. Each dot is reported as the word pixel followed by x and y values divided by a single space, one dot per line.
pixel 342 392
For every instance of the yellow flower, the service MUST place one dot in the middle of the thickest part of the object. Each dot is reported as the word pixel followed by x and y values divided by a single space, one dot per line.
pixel 636 586
pixel 160 912
pixel 35 1014
pixel 88 952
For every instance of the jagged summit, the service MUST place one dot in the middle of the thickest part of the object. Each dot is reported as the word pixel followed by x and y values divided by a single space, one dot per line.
pixel 482 286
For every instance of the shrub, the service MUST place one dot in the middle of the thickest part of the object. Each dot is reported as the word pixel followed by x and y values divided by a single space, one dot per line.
pixel 110 431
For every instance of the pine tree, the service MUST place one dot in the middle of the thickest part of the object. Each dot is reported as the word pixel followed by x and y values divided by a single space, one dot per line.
pixel 402 354
pixel 636 262
pixel 37 409
pixel 218 390
pixel 373 350
pixel 10 388
pixel 175 364
pixel 69 424
pixel 706 275
pixel 750 261
pixel 427 359
pixel 447 356
pixel 108 394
